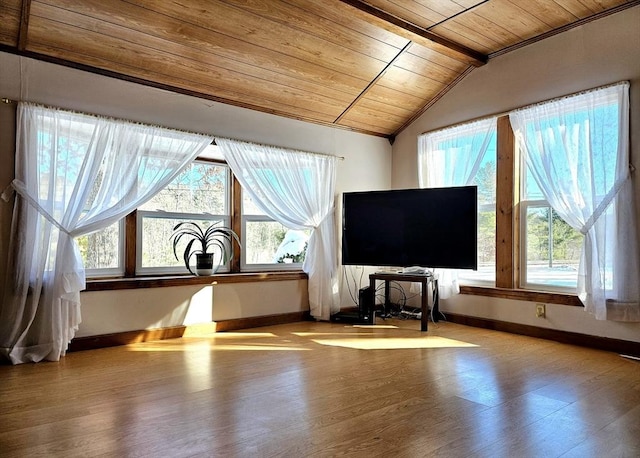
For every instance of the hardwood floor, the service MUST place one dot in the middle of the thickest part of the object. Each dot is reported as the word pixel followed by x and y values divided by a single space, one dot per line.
pixel 322 389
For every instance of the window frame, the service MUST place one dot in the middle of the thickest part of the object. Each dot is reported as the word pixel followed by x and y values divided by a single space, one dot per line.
pixel 113 271
pixel 274 266
pixel 170 270
pixel 161 214
pixel 259 267
pixel 525 205
pixel 508 235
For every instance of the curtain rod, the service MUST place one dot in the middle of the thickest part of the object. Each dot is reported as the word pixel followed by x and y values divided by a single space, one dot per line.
pixel 67 110
pixel 574 94
pixel 505 113
pixel 281 148
pixel 464 123
pixel 10 101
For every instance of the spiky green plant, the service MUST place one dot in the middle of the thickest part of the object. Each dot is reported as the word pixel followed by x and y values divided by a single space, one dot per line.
pixel 213 238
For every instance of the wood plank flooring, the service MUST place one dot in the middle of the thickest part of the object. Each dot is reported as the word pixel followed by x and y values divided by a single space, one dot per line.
pixel 322 389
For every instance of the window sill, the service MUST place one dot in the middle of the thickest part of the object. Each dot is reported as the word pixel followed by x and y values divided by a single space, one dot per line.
pixel 523 295
pixel 188 280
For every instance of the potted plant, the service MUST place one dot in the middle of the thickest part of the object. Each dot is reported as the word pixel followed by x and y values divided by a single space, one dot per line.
pixel 204 243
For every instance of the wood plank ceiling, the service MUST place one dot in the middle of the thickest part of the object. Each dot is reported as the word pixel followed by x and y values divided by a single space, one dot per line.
pixel 371 67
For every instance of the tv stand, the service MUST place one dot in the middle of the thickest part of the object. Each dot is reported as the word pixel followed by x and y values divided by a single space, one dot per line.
pixel 425 280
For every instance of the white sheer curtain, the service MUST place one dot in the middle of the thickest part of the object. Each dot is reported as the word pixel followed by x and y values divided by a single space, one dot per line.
pixel 75 174
pixel 296 189
pixel 452 157
pixel 577 149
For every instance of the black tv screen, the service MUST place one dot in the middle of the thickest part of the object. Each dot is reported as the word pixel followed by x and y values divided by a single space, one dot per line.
pixel 435 227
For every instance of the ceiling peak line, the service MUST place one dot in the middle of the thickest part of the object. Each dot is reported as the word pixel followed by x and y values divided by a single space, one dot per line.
pixel 373 82
pixel 437 97
pixel 399 24
pixel 466 10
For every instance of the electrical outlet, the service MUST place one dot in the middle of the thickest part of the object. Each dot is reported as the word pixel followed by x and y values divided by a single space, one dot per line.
pixel 540 310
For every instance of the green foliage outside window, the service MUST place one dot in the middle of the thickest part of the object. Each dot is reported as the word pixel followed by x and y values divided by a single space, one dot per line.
pixel 551 239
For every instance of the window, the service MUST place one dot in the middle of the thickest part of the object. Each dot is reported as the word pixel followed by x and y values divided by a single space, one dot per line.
pixel 266 243
pixel 569 182
pixel 575 162
pixel 466 155
pixel 550 247
pixel 103 251
pixel 485 180
pixel 199 194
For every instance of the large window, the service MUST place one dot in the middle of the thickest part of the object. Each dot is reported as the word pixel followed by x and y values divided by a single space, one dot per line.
pixel 534 208
pixel 575 181
pixel 201 194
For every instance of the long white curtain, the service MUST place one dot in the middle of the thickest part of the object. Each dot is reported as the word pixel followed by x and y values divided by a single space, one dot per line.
pixel 75 174
pixel 452 157
pixel 577 150
pixel 296 189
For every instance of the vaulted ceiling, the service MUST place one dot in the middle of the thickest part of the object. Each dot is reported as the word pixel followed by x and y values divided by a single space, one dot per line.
pixel 369 66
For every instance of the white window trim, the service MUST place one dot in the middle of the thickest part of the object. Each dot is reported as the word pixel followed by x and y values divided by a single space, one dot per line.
pixel 112 271
pixel 141 214
pixel 525 205
pixel 275 266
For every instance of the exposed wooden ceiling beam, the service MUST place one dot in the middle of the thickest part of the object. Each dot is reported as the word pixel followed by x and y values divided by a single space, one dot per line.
pixel 415 33
pixel 24 25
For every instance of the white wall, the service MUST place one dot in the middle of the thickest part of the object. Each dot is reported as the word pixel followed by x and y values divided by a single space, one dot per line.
pixel 598 53
pixel 148 308
pixel 367 165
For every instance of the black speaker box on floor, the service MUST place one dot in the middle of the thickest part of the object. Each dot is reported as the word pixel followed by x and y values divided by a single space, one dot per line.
pixel 363 314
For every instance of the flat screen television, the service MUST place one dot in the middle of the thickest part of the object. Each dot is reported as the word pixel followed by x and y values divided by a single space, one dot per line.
pixel 432 228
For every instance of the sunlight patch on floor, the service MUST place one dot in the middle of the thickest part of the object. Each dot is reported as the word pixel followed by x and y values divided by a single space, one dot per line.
pixel 393 343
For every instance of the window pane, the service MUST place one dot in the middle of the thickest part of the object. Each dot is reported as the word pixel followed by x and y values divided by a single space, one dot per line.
pixel 531 190
pixel 157 245
pixel 101 250
pixel 268 242
pixel 485 179
pixel 486 246
pixel 200 188
pixel 248 207
pixel 552 249
pixel 199 194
